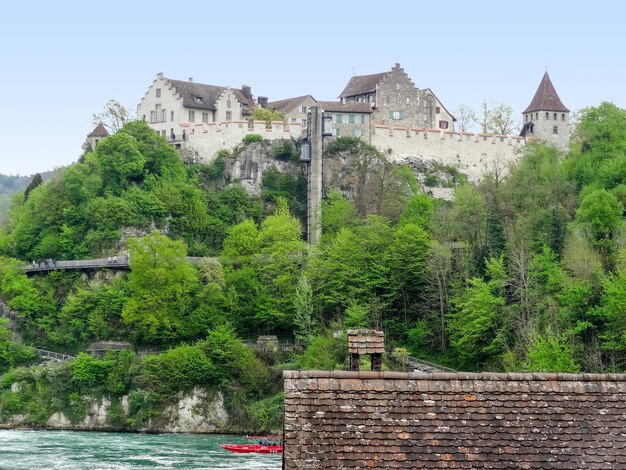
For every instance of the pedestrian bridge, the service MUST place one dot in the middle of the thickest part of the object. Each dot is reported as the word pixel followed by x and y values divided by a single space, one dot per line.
pixel 115 263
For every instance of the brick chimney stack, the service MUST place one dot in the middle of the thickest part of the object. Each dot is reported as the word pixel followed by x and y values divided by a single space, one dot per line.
pixel 370 342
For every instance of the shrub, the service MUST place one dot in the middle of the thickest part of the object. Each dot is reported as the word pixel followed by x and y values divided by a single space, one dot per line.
pixel 285 150
pixel 250 138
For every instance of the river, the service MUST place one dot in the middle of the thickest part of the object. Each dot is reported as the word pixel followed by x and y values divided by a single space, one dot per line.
pixel 76 450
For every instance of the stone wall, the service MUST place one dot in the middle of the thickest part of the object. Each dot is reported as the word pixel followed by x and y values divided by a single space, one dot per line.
pixel 454 420
pixel 472 154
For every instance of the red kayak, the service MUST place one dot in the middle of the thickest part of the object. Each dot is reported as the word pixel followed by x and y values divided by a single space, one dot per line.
pixel 263 445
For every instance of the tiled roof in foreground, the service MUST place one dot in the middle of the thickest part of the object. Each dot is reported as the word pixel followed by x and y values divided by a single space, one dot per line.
pixel 337 420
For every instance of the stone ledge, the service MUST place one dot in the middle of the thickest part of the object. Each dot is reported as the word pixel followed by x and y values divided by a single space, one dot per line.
pixel 487 376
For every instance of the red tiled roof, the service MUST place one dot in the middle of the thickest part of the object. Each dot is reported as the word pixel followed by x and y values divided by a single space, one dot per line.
pixel 546 98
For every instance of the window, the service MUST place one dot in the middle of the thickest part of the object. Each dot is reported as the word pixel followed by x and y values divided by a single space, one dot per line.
pixel 351 119
pixel 395 115
pixel 555 129
pixel 357 132
pixel 158 92
pixel 192 116
pixel 304 122
pixel 229 115
pixel 303 109
pixel 205 117
pixel 563 117
pixel 339 119
pixel 294 119
pixel 172 116
pixel 144 118
pixel 547 116
pixel 437 110
pixel 151 117
pixel 554 116
pixel 228 103
pixel 214 117
pixel 337 132
pixel 362 118
pixel 443 124
pixel 526 118
pixel 536 116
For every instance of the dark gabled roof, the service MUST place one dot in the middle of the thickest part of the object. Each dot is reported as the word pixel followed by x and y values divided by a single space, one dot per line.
pixel 197 95
pixel 339 107
pixel 201 96
pixel 289 103
pixel 99 131
pixel 546 98
pixel 362 84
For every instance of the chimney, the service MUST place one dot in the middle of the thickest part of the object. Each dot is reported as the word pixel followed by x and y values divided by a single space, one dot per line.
pixel 247 91
pixel 262 100
pixel 159 75
pixel 370 342
pixel 191 79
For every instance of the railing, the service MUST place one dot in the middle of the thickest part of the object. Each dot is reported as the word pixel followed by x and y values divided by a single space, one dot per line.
pixel 426 366
pixel 119 262
pixel 54 355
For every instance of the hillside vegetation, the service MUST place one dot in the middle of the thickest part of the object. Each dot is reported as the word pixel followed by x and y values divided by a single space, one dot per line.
pixel 525 271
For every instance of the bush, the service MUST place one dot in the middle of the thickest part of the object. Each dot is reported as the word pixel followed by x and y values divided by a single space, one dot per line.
pixel 250 138
pixel 285 150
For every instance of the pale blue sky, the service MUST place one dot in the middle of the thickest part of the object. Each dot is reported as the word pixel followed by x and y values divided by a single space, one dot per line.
pixel 62 61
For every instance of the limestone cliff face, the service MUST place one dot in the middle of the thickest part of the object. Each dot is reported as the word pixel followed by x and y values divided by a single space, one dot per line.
pixel 200 411
pixel 248 164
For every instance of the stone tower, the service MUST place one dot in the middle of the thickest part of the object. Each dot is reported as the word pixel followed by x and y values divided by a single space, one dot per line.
pixel 546 117
pixel 97 135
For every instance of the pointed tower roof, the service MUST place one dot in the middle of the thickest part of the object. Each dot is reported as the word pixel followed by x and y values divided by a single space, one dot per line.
pixel 99 131
pixel 546 98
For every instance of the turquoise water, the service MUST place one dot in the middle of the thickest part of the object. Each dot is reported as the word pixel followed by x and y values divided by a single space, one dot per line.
pixel 75 450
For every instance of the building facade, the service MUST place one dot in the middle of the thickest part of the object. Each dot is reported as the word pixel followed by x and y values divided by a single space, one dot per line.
pixel 349 119
pixel 546 117
pixel 295 110
pixel 396 101
pixel 174 107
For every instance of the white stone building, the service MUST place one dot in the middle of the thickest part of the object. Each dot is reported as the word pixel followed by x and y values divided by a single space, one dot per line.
pixel 174 107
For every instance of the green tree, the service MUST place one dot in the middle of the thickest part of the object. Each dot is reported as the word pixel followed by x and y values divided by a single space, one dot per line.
pixel 160 284
pixel 551 354
pixel 474 322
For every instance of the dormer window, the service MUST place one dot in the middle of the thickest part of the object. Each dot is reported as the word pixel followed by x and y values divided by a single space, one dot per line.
pixel 198 99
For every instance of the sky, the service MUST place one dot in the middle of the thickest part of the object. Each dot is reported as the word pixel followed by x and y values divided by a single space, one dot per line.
pixel 62 61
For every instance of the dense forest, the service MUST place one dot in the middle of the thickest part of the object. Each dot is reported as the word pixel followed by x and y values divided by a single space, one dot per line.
pixel 525 271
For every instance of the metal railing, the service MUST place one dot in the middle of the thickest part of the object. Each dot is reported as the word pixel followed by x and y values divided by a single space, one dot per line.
pixel 54 355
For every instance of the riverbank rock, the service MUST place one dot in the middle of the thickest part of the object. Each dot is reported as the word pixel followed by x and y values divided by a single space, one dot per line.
pixel 202 411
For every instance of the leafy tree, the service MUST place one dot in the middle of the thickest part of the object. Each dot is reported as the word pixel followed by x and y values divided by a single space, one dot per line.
pixel 114 116
pixel 474 322
pixel 551 354
pixel 266 114
pixel 160 284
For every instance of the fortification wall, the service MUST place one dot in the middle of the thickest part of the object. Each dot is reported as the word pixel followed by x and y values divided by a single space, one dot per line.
pixel 453 420
pixel 206 139
pixel 472 154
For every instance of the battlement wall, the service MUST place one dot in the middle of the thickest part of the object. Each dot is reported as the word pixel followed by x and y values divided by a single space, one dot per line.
pixel 473 154
pixel 208 138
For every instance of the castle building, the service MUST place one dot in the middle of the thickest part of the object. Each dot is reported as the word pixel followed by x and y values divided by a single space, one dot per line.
pixel 174 107
pixel 546 117
pixel 295 109
pixel 97 135
pixel 396 101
